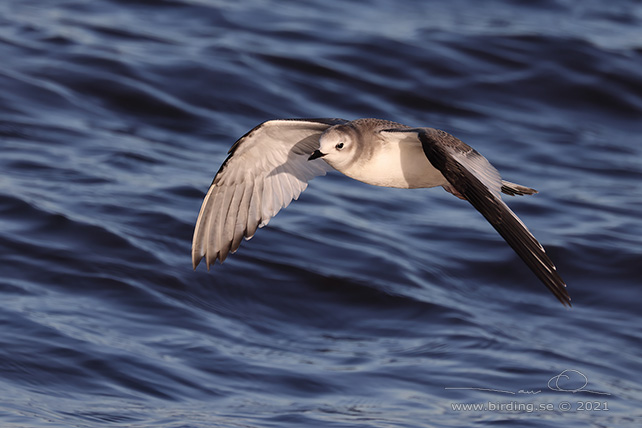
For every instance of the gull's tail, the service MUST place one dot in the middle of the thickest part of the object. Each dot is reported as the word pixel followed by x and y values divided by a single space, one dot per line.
pixel 513 189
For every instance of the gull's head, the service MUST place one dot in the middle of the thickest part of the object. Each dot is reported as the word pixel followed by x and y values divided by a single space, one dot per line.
pixel 337 146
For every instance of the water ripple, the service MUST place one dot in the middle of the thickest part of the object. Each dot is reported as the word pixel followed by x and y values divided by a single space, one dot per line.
pixel 356 306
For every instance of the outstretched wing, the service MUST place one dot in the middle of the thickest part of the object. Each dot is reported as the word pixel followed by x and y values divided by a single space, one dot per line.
pixel 472 176
pixel 265 170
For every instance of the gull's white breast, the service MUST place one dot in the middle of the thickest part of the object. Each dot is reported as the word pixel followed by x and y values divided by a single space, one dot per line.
pixel 398 161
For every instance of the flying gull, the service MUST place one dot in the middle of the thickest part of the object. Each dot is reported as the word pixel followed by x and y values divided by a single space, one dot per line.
pixel 272 164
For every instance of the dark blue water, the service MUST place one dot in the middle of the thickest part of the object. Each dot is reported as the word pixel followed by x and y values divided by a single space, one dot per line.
pixel 358 306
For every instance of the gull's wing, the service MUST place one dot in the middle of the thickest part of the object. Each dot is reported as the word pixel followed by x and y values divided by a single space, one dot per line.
pixel 266 169
pixel 473 178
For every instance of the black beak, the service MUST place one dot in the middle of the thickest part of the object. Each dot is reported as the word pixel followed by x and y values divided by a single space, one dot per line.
pixel 317 154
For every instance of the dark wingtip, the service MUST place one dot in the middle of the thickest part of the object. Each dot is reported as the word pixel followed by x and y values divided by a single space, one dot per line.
pixel 558 287
pixel 564 297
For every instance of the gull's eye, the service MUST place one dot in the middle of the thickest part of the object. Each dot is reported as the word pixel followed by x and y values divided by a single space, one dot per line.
pixel 339 146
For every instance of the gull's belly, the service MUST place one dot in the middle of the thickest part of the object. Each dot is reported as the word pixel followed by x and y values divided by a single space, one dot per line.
pixel 398 165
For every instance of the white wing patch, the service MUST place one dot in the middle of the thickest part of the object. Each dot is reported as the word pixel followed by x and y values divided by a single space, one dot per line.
pixel 485 172
pixel 266 169
pixel 479 166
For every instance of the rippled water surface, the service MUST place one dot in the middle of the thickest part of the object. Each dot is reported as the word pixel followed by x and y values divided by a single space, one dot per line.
pixel 358 306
